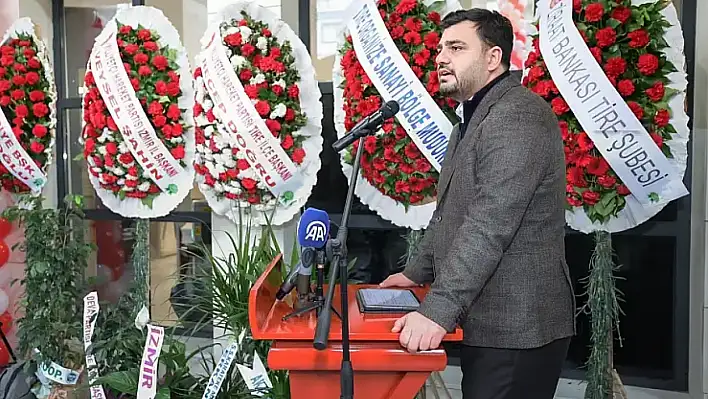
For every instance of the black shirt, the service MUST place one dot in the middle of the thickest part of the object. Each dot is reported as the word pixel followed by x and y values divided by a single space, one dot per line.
pixel 469 106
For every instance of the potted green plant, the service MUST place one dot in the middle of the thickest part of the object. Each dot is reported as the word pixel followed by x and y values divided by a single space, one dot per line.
pixel 56 256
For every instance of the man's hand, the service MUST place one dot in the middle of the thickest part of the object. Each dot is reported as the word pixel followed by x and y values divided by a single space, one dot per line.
pixel 397 280
pixel 418 332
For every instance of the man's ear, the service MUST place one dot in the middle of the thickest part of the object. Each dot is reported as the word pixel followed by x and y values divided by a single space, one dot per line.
pixel 494 58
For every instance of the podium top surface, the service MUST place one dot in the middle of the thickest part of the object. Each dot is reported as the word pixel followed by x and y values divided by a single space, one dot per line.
pixel 266 314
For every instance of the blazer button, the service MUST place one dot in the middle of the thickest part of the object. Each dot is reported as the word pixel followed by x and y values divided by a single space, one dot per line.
pixel 438 219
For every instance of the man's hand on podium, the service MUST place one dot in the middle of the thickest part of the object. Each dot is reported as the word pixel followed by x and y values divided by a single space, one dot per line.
pixel 418 333
pixel 397 280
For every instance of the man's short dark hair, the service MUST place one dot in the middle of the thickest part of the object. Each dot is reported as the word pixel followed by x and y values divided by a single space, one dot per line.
pixel 493 29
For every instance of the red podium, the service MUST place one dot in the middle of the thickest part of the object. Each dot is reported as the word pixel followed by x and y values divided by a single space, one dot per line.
pixel 382 368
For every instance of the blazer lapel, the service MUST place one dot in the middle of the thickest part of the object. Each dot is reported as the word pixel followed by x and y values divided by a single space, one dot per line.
pixel 492 96
pixel 445 173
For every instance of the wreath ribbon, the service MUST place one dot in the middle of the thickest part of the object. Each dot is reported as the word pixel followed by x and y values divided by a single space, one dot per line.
pixel 123 104
pixel 16 159
pixel 602 112
pixel 250 133
pixel 393 77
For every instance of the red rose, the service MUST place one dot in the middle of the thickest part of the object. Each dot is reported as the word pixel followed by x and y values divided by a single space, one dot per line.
pixel 299 154
pixel 287 142
pixel 623 190
pixel 251 91
pixel 638 38
pixel 434 17
pixel 7 60
pixel 29 53
pixel 625 87
pixel 636 109
pixel 37 147
pixel 125 29
pixel 160 62
pixel 573 200
pixel 197 72
pixel 605 37
pixel 559 106
pixel 621 13
pixel 19 68
pixel 591 197
pixel 289 115
pixel 151 46
pixel 126 158
pixel 159 121
pixel 248 183
pixel 40 110
pixel 39 131
pixel 144 35
pixel 34 63
pixel 155 108
pixel 273 126
pixel 21 111
pixel 648 64
pixel 178 152
pixel 657 139
pixel 32 78
pixel 246 75
pixel 141 59
pixel 615 66
pixel 131 49
pixel 19 80
pixel 293 91
pixel 17 94
pixel 242 164
pixel 661 118
pixel 233 39
pixel 36 96
pixel 656 92
pixel 144 70
pixel 598 166
pixel 606 181
pixel 173 89
pixel 594 12
pixel 277 90
pixel 112 148
pixel 247 49
pixel 173 112
pixel 406 6
pixel 263 108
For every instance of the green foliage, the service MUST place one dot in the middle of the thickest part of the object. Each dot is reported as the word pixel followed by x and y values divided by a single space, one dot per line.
pixel 56 258
pixel 603 307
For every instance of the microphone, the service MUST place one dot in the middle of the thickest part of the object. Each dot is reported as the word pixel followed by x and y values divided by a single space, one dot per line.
pixel 307 257
pixel 312 233
pixel 368 125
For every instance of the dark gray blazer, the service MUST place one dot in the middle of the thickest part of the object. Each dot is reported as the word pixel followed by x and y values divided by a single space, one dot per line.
pixel 494 250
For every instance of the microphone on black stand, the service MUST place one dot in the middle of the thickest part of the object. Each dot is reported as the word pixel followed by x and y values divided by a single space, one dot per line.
pixel 366 127
pixel 312 234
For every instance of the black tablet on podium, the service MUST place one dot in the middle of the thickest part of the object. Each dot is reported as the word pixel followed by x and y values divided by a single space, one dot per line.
pixel 387 300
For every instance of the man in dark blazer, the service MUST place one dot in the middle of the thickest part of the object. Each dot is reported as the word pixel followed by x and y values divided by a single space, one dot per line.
pixel 494 250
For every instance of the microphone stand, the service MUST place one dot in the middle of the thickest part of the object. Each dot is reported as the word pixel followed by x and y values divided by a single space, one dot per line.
pixel 317 301
pixel 339 265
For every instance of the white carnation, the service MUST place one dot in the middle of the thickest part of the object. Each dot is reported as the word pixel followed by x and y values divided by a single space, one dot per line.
pixel 201 90
pixel 102 150
pixel 146 174
pixel 261 185
pixel 229 161
pixel 123 148
pixel 262 43
pixel 126 188
pixel 280 82
pixel 258 79
pixel 278 111
pixel 232 30
pixel 91 162
pixel 131 177
pixel 208 131
pixel 176 140
pixel 246 33
pixel 201 120
pixel 118 171
pixel 207 105
pixel 121 182
pixel 237 61
pixel 97 170
pixel 218 187
pixel 144 186
pixel 200 148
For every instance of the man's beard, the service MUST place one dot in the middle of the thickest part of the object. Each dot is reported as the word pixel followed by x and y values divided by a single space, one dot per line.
pixel 467 81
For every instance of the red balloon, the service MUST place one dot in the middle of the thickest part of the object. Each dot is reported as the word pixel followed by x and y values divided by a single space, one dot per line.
pixel 6 320
pixel 4 253
pixel 5 228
